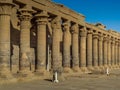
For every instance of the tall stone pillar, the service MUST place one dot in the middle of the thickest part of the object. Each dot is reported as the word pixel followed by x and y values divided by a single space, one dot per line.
pixel 83 49
pixel 119 52
pixel 89 50
pixel 41 20
pixel 116 53
pixel 113 50
pixel 25 18
pixel 66 46
pixel 109 52
pixel 95 50
pixel 105 51
pixel 5 12
pixel 56 27
pixel 75 58
pixel 100 51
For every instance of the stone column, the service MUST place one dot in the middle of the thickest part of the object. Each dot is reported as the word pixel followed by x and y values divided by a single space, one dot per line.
pixel 119 52
pixel 95 50
pixel 25 18
pixel 116 54
pixel 112 52
pixel 66 46
pixel 75 58
pixel 41 20
pixel 56 27
pixel 5 12
pixel 105 52
pixel 109 53
pixel 89 50
pixel 100 51
pixel 83 49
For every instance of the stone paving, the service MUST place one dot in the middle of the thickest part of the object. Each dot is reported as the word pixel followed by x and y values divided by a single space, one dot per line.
pixel 83 82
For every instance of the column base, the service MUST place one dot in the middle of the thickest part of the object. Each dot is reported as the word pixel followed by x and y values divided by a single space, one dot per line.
pixel 25 76
pixel 4 79
pixel 84 69
pixel 41 72
pixel 32 68
pixel 15 69
pixel 76 69
pixel 25 73
pixel 114 66
pixel 117 66
pixel 101 67
pixel 97 70
pixel 106 66
pixel 6 76
pixel 67 70
pixel 109 66
pixel 90 68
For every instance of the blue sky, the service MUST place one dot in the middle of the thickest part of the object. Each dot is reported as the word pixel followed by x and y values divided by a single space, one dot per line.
pixel 106 12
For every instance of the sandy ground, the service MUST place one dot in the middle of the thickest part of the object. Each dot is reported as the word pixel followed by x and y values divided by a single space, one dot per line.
pixel 84 82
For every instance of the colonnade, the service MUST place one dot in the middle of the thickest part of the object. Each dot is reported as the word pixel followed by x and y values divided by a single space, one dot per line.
pixel 83 48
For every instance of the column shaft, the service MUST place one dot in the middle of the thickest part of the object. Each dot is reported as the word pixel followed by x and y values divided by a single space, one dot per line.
pixel 24 46
pixel 5 12
pixel 56 44
pixel 116 53
pixel 89 50
pixel 100 51
pixel 75 58
pixel 105 52
pixel 66 46
pixel 41 19
pixel 41 46
pixel 95 50
pixel 119 53
pixel 109 53
pixel 83 49
pixel 4 43
pixel 25 17
pixel 112 61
